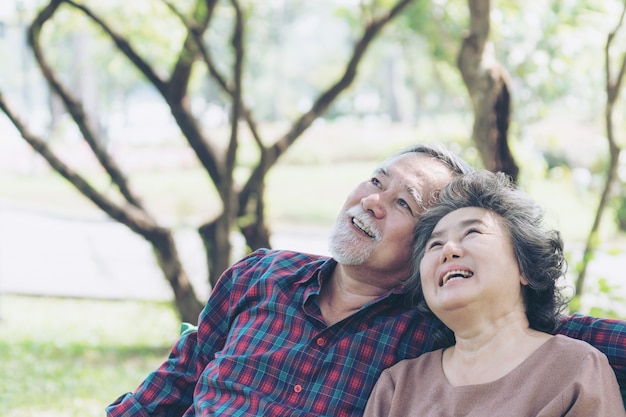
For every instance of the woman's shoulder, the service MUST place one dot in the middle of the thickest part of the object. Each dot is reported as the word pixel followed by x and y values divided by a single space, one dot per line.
pixel 565 342
pixel 566 348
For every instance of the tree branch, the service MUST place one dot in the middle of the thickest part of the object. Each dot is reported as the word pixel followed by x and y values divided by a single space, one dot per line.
pixel 613 86
pixel 325 99
pixel 125 47
pixel 74 107
pixel 182 69
pixel 237 43
pixel 131 216
pixel 178 106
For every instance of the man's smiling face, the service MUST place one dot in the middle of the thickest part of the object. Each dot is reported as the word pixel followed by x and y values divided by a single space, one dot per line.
pixel 375 225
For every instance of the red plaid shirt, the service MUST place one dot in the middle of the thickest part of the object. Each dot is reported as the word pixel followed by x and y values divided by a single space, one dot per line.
pixel 262 347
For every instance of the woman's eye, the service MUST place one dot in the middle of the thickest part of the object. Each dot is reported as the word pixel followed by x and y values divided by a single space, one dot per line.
pixel 471 231
pixel 434 244
pixel 375 181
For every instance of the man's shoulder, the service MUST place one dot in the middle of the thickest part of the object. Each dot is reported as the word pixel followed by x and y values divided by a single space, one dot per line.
pixel 267 268
pixel 261 261
pixel 284 257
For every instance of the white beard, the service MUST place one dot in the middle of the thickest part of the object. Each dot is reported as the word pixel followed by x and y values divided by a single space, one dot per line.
pixel 345 246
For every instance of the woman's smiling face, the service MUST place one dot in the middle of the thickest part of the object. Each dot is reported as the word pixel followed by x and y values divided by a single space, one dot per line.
pixel 469 262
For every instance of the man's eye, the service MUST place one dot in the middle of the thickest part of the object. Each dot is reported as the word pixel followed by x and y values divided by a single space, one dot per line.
pixel 375 181
pixel 405 205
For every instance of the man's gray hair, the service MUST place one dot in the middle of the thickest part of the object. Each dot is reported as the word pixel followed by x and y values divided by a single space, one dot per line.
pixel 455 163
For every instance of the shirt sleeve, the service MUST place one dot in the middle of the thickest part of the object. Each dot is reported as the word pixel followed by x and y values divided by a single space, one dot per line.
pixel 606 335
pixel 168 391
pixel 594 390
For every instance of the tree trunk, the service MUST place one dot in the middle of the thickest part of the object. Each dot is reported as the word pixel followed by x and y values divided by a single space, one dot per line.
pixel 487 83
pixel 168 259
pixel 216 240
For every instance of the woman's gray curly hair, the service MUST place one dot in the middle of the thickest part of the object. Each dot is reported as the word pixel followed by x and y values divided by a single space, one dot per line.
pixel 539 251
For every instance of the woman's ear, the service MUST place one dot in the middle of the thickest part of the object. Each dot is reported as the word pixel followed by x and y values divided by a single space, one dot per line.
pixel 522 279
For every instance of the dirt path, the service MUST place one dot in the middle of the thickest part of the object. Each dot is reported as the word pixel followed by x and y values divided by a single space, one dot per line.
pixel 53 254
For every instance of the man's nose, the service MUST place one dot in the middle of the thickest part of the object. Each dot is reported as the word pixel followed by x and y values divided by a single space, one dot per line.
pixel 374 203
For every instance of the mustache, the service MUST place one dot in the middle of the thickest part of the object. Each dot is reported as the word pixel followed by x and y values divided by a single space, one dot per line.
pixel 363 220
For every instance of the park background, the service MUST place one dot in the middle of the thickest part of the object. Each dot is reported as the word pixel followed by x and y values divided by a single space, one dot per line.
pixel 85 310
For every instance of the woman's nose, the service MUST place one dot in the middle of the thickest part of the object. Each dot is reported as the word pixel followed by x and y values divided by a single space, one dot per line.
pixel 451 250
pixel 374 204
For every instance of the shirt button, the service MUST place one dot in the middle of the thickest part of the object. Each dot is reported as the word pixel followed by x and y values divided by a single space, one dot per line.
pixel 321 341
pixel 297 388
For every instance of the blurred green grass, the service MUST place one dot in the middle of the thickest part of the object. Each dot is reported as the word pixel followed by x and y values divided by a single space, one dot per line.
pixel 70 357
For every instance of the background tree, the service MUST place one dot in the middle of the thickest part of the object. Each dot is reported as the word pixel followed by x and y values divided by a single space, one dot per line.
pixel 531 56
pixel 409 87
pixel 243 203
pixel 487 82
pixel 614 81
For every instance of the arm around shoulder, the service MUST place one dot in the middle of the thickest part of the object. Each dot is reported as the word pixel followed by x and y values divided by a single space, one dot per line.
pixel 606 335
pixel 595 390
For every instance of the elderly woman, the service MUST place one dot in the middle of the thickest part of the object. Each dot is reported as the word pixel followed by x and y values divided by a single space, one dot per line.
pixel 488 270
